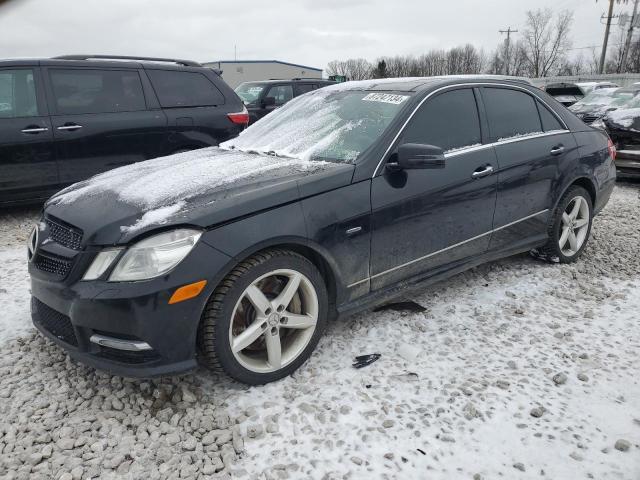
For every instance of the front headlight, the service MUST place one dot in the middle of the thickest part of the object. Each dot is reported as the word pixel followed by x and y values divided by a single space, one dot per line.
pixel 100 264
pixel 155 256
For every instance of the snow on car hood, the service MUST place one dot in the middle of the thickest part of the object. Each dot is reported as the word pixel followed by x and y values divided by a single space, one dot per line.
pixel 201 187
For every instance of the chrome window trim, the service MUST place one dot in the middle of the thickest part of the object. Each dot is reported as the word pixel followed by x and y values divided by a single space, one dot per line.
pixel 504 141
pixel 471 85
pixel 424 257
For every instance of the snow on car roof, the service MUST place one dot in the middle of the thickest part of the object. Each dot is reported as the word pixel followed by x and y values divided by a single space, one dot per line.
pixel 409 84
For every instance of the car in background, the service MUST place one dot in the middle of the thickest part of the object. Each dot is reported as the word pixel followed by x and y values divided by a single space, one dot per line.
pixel 261 98
pixel 623 127
pixel 599 102
pixel 66 119
pixel 237 256
pixel 569 93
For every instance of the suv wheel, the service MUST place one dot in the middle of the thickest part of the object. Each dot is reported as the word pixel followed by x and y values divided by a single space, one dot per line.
pixel 569 232
pixel 265 318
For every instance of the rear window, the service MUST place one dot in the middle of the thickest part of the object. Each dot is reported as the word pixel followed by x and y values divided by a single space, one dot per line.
pixel 564 90
pixel 184 89
pixel 511 113
pixel 78 91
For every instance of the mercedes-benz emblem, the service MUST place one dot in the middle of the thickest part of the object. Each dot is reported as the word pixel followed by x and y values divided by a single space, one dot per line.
pixel 32 245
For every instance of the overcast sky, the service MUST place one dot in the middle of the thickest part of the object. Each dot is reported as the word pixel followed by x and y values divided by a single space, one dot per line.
pixel 310 32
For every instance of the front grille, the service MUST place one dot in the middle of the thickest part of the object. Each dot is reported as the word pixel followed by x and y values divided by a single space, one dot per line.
pixel 589 118
pixel 54 265
pixel 126 356
pixel 58 324
pixel 65 235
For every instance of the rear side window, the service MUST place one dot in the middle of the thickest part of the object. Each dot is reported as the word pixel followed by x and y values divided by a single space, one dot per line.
pixel 449 121
pixel 282 93
pixel 549 120
pixel 184 89
pixel 78 91
pixel 305 87
pixel 17 94
pixel 511 113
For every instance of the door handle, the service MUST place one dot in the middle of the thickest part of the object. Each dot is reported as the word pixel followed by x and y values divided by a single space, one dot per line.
pixel 482 171
pixel 70 127
pixel 557 150
pixel 34 129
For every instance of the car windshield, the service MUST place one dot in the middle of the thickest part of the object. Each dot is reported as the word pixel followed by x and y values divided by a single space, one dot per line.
pixel 622 98
pixel 333 123
pixel 249 92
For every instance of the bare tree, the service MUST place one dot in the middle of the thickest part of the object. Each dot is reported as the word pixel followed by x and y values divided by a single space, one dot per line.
pixel 353 68
pixel 546 40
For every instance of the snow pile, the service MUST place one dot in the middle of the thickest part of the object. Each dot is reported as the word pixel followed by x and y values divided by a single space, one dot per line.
pixel 624 118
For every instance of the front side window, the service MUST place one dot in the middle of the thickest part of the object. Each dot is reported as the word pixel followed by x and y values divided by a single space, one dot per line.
pixel 17 94
pixel 282 93
pixel 511 113
pixel 184 89
pixel 80 91
pixel 449 121
pixel 332 124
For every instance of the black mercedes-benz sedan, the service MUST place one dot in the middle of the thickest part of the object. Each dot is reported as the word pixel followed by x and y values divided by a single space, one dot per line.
pixel 238 255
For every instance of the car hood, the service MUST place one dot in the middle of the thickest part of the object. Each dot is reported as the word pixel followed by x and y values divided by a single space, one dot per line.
pixel 199 188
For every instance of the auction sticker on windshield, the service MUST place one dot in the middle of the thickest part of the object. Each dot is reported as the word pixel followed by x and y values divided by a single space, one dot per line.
pixel 385 98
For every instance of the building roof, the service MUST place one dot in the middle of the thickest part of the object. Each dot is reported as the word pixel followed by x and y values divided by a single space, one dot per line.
pixel 266 61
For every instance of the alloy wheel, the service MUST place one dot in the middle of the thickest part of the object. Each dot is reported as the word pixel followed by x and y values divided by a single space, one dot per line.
pixel 575 226
pixel 273 320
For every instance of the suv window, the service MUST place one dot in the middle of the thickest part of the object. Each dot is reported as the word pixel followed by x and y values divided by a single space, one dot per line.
pixel 184 89
pixel 549 120
pixel 305 87
pixel 78 91
pixel 510 113
pixel 282 93
pixel 17 94
pixel 449 121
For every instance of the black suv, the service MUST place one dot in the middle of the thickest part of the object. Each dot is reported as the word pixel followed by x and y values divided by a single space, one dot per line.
pixel 264 97
pixel 65 119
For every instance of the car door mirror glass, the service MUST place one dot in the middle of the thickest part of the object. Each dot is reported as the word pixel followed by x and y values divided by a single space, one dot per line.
pixel 412 156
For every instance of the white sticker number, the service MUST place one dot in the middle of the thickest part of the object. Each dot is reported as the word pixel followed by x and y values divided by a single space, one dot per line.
pixel 385 98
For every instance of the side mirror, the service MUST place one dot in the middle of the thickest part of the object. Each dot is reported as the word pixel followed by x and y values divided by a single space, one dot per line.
pixel 413 156
pixel 268 102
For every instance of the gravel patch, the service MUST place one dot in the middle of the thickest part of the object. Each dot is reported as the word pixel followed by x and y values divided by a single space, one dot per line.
pixel 478 397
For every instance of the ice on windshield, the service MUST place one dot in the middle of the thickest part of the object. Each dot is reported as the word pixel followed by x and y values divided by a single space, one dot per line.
pixel 336 123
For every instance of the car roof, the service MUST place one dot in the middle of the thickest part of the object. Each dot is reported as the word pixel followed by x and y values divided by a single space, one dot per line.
pixel 102 61
pixel 293 80
pixel 414 84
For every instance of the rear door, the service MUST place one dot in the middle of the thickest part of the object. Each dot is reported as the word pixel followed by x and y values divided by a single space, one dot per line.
pixel 27 162
pixel 100 120
pixel 531 143
pixel 195 108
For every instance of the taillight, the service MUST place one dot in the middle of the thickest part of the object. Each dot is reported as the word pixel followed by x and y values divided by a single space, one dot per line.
pixel 612 150
pixel 239 118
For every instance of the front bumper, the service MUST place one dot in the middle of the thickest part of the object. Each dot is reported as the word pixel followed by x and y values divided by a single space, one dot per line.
pixel 71 312
pixel 628 163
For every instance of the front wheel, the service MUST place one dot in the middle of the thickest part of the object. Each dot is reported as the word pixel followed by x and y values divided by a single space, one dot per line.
pixel 265 318
pixel 569 232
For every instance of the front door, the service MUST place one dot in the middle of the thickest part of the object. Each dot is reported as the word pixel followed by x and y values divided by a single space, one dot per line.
pixel 428 218
pixel 100 121
pixel 27 162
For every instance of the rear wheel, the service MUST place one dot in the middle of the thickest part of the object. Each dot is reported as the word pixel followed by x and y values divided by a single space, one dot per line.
pixel 265 318
pixel 569 232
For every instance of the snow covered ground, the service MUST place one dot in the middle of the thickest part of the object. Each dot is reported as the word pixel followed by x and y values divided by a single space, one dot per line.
pixel 517 369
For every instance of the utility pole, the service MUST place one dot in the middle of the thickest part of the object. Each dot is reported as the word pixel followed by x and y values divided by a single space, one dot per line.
pixel 603 55
pixel 627 43
pixel 507 43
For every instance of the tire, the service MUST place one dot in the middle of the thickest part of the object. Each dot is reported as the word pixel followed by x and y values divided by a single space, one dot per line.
pixel 230 313
pixel 553 251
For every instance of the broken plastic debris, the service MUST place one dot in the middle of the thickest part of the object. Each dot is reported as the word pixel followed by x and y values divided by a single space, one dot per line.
pixel 364 360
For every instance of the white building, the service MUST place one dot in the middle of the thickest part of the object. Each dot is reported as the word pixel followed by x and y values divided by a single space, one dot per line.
pixel 234 72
